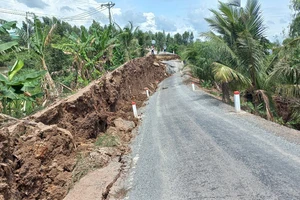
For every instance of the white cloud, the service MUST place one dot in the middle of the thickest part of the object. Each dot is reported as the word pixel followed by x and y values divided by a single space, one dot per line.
pixel 149 24
pixel 34 3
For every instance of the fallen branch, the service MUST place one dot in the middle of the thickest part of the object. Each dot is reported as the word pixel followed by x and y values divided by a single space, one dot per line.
pixel 66 87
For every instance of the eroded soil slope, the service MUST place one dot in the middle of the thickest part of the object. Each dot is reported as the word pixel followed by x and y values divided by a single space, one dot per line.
pixel 38 154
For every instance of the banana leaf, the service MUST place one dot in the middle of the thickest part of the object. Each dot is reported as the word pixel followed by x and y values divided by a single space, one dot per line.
pixel 17 67
pixel 26 78
pixel 7 93
pixel 7 46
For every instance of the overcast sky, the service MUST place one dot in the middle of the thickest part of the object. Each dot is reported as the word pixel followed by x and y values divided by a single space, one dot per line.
pixel 155 15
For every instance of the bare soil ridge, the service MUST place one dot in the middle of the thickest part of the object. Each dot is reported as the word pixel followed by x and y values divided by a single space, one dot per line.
pixel 38 153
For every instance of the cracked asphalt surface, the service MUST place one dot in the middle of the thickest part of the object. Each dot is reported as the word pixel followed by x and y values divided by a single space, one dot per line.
pixel 192 146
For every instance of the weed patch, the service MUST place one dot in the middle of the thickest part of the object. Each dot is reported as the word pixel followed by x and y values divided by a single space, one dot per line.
pixel 106 140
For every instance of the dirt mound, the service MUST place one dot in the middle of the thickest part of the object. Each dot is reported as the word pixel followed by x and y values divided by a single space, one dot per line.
pixel 38 154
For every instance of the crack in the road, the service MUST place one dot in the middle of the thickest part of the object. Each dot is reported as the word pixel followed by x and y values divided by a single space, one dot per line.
pixel 109 186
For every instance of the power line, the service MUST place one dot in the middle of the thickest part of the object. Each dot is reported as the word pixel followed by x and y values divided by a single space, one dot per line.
pixel 12 12
pixel 84 2
pixel 21 13
pixel 78 17
pixel 84 14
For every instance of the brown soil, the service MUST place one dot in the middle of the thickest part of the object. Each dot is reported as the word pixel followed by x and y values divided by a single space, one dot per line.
pixel 39 154
pixel 283 107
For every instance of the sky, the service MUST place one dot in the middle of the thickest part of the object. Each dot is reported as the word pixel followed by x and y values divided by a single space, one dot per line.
pixel 172 16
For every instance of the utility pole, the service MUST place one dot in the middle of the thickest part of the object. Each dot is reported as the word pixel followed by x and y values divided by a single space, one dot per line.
pixel 28 34
pixel 109 5
pixel 27 27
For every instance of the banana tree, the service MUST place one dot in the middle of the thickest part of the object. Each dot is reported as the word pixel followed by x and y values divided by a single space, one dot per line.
pixel 39 41
pixel 17 90
pixel 79 46
pixel 127 40
pixel 103 42
pixel 4 28
pixel 87 50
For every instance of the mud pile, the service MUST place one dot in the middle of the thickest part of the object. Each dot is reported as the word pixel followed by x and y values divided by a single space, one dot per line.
pixel 38 154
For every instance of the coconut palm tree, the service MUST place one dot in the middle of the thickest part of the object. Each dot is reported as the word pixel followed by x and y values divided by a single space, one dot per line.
pixel 238 33
pixel 284 70
pixel 199 56
pixel 284 77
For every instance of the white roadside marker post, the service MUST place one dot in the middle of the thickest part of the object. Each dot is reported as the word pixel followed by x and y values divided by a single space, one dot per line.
pixel 237 101
pixel 134 110
pixel 147 92
pixel 193 86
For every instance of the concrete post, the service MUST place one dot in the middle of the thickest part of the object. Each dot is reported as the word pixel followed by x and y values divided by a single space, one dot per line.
pixel 147 92
pixel 237 101
pixel 193 86
pixel 134 109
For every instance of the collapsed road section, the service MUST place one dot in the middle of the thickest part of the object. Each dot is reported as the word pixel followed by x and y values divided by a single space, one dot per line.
pixel 42 156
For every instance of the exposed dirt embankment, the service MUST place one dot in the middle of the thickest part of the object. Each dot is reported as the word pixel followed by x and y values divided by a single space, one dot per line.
pixel 38 154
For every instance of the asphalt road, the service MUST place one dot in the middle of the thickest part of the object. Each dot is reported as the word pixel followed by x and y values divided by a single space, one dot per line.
pixel 191 146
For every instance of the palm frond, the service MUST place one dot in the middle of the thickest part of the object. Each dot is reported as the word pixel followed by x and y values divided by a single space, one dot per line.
pixel 225 74
pixel 251 54
pixel 285 71
pixel 282 51
pixel 254 23
pixel 288 90
pixel 221 44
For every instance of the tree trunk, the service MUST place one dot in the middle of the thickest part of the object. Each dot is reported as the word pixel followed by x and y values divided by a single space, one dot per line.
pixel 225 93
pixel 253 78
pixel 81 69
pixel 75 65
pixel 49 80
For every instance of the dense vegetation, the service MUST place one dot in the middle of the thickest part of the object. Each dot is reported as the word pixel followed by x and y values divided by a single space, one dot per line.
pixel 236 55
pixel 49 58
